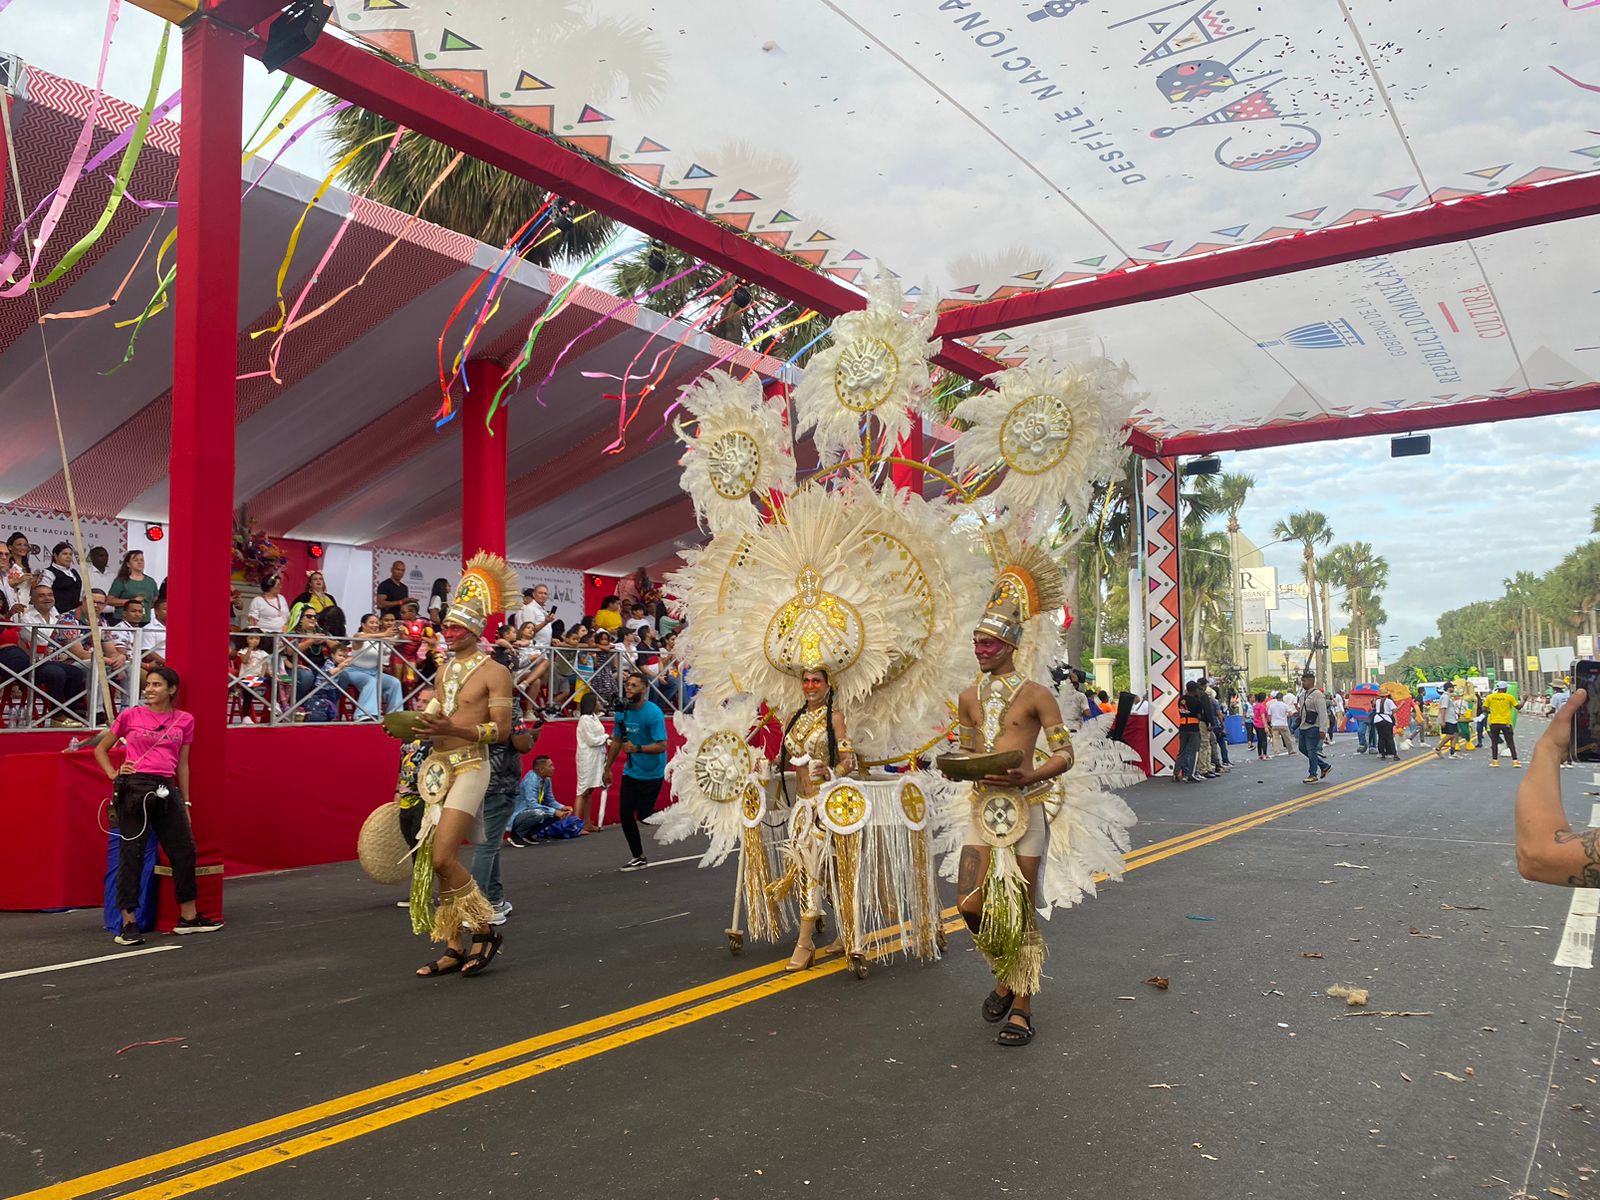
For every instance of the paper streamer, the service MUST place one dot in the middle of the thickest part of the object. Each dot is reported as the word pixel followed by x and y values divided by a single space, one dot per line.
pixel 556 305
pixel 295 137
pixel 316 273
pixel 130 158
pixel 601 320
pixel 756 335
pixel 626 418
pixel 74 171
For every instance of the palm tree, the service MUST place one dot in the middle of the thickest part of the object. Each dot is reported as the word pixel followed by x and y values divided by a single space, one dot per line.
pixel 1594 526
pixel 478 200
pixel 1229 493
pixel 1310 529
pixel 1203 570
pixel 1363 574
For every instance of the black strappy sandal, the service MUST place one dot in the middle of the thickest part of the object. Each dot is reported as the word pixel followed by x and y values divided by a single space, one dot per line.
pixel 997 1006
pixel 1015 1035
pixel 484 948
pixel 450 960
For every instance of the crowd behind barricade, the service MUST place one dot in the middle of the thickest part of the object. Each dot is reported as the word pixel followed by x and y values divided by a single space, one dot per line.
pixel 302 659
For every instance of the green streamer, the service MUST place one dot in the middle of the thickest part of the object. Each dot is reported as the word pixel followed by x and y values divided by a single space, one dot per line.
pixel 130 158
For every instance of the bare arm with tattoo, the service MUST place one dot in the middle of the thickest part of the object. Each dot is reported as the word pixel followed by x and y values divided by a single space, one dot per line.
pixel 1548 849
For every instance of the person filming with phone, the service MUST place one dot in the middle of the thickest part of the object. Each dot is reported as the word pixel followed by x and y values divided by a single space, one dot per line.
pixel 1549 850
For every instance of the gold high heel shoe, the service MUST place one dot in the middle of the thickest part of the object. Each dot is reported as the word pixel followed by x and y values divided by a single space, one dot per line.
pixel 796 964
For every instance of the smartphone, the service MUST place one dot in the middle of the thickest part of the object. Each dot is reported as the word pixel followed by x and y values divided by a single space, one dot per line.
pixel 1586 721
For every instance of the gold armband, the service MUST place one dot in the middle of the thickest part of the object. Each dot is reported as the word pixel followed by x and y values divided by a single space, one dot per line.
pixel 488 733
pixel 967 737
pixel 846 748
pixel 499 701
pixel 1059 739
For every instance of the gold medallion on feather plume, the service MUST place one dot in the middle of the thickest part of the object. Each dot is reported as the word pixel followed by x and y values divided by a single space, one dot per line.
pixel 875 365
pixel 737 453
pixel 711 774
pixel 809 589
pixel 1056 431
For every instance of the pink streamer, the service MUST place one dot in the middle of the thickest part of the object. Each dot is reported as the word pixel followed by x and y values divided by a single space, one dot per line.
pixel 76 168
pixel 666 417
pixel 603 318
pixel 293 138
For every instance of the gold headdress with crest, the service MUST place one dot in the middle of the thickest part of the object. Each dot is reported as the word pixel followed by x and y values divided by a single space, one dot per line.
pixel 482 592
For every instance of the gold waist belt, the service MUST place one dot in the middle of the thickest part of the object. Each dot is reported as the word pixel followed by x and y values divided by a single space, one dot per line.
pixel 1033 794
pixel 466 758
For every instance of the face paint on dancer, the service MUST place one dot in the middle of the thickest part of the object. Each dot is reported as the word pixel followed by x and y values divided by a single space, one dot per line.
pixel 991 652
pixel 460 639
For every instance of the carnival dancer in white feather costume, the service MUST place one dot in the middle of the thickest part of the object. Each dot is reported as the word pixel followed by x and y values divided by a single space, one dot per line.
pixel 1017 858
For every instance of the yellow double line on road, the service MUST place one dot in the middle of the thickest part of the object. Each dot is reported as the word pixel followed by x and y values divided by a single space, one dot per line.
pixel 264 1144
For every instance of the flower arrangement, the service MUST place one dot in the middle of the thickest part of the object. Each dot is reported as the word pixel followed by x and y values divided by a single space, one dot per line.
pixel 255 555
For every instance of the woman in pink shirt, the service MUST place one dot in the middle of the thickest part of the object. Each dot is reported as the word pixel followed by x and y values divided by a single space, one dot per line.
pixel 149 792
pixel 1258 717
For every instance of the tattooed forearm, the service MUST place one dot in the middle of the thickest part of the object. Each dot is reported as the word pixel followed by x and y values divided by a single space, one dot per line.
pixel 1589 842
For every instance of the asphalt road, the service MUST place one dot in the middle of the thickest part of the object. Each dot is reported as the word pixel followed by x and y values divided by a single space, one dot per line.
pixel 618 1050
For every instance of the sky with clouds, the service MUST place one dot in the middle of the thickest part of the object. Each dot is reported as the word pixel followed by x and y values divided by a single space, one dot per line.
pixel 1489 501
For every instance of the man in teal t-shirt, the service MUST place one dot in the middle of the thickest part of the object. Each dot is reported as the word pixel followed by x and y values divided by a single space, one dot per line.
pixel 641 734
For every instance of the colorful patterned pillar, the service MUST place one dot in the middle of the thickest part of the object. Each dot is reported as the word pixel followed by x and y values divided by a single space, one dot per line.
pixel 1163 611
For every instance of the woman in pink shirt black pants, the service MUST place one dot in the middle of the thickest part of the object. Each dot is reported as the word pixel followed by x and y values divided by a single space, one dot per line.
pixel 149 792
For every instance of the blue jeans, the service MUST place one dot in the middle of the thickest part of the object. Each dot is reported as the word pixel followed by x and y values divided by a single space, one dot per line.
pixel 530 821
pixel 497 808
pixel 1188 748
pixel 1363 729
pixel 1311 747
pixel 369 682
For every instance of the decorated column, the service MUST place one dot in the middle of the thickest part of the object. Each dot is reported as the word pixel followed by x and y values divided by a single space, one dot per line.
pixel 205 363
pixel 1163 610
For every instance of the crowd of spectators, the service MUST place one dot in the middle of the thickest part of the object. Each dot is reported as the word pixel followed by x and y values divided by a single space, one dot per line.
pixel 302 658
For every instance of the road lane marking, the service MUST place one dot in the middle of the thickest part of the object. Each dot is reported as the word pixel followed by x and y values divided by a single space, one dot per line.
pixel 560 1047
pixel 1583 915
pixel 84 962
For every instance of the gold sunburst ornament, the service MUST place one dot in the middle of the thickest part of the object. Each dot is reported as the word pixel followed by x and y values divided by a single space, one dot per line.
pixel 711 774
pixel 875 365
pixel 736 452
pixel 1057 432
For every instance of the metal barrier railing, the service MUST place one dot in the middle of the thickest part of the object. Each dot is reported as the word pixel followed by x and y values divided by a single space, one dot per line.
pixel 46 677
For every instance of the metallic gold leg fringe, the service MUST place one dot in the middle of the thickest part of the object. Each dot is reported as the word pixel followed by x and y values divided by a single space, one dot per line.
pixel 846 878
pixel 422 887
pixel 925 921
pixel 1008 934
pixel 467 905
pixel 764 914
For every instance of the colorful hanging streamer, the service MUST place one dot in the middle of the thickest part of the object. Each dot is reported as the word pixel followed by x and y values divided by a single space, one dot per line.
pixel 76 162
pixel 322 263
pixel 538 394
pixel 130 158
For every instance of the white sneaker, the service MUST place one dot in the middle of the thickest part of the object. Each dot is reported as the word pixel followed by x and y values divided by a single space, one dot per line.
pixel 502 908
pixel 499 918
pixel 635 864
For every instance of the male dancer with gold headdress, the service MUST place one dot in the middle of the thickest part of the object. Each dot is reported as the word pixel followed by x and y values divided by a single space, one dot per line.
pixel 1008 835
pixel 470 712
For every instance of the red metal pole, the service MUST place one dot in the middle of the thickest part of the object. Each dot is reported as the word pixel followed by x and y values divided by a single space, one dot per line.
pixel 204 364
pixel 483 464
pixel 910 446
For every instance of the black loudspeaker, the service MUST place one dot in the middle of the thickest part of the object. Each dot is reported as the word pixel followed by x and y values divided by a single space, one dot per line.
pixel 294 32
pixel 1410 447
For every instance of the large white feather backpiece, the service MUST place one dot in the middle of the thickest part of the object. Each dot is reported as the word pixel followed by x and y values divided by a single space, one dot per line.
pixel 737 452
pixel 1057 431
pixel 711 775
pixel 809 588
pixel 942 566
pixel 876 364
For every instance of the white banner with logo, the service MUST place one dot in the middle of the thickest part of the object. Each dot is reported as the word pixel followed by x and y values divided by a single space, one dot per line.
pixel 422 570
pixel 46 529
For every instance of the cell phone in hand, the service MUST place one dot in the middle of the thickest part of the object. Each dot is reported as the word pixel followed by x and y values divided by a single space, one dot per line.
pixel 1586 721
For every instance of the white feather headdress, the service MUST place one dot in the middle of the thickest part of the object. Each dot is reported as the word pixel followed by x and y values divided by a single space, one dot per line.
pixel 710 774
pixel 1057 432
pixel 738 451
pixel 876 364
